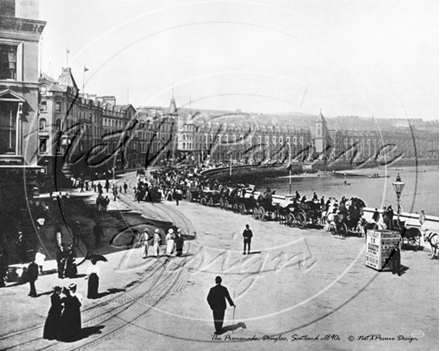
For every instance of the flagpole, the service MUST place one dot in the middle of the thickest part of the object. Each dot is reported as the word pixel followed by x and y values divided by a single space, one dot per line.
pixel 84 79
pixel 67 57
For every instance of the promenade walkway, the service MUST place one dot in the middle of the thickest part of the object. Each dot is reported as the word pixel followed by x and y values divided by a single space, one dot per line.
pixel 303 282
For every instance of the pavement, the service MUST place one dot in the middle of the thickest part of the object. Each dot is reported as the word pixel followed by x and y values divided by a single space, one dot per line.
pixel 298 289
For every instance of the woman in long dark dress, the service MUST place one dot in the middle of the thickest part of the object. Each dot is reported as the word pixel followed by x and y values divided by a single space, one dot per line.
pixel 53 319
pixel 70 326
pixel 93 284
pixel 71 270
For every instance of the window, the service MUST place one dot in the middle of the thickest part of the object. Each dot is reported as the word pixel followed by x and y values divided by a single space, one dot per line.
pixel 8 120
pixel 58 107
pixel 8 62
pixel 42 123
pixel 294 140
pixel 43 106
pixel 58 124
pixel 288 140
pixel 301 140
pixel 183 145
pixel 43 145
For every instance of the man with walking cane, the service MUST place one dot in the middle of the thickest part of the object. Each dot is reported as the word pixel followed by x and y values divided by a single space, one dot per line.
pixel 217 301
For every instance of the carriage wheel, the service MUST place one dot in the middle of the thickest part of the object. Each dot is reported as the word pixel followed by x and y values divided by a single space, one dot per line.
pixel 189 197
pixel 301 220
pixel 242 209
pixel 290 220
pixel 262 213
pixel 203 201
pixel 256 213
pixel 415 241
pixel 343 230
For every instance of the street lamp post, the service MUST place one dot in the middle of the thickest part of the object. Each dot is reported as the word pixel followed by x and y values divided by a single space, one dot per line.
pixel 398 186
pixel 65 144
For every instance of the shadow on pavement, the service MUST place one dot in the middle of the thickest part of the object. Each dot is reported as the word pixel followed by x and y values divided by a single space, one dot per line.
pixel 86 332
pixel 233 327
pixel 109 292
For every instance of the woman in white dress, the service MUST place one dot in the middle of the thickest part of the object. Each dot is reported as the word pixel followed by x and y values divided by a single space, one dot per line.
pixel 170 242
pixel 156 242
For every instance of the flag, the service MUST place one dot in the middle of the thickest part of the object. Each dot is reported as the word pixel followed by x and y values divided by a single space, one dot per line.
pixel 85 69
pixel 67 50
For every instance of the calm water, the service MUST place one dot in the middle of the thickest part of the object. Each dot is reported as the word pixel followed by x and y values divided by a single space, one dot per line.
pixel 421 191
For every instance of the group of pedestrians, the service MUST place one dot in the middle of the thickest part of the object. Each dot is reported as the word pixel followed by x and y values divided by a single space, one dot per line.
pixel 174 242
pixel 63 322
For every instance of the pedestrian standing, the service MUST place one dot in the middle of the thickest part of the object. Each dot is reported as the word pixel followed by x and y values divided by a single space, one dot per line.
pixel 394 259
pixel 4 263
pixel 32 272
pixel 145 243
pixel 52 324
pixel 125 187
pixel 39 259
pixel 156 242
pixel 70 323
pixel 59 251
pixel 179 243
pixel 71 271
pixel 107 185
pixel 217 301
pixel 93 276
pixel 247 237
pixel 115 192
pixel 376 215
pixel 170 242
pixel 134 194
pixel 390 217
pixel 97 233
pixel 422 219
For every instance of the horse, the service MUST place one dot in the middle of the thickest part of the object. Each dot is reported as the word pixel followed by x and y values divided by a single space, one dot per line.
pixel 432 238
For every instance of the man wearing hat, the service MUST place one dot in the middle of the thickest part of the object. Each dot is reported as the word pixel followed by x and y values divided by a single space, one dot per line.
pixel 179 243
pixel 217 302
pixel 32 277
pixel 145 243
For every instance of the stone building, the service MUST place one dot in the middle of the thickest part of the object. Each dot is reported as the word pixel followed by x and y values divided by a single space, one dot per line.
pixel 20 32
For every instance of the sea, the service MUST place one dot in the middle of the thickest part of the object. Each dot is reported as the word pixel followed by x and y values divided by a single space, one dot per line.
pixel 373 186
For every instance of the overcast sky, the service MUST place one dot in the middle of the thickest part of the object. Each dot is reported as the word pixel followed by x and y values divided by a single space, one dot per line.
pixel 346 57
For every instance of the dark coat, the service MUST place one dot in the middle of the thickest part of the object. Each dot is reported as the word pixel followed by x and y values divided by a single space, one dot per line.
pixel 51 327
pixel 247 234
pixel 217 298
pixel 179 242
pixel 32 272
pixel 70 323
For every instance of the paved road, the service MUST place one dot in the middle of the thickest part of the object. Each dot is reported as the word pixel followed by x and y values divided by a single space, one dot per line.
pixel 303 282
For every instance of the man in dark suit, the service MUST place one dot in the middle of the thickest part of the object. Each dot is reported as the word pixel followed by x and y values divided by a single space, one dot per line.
pixel 217 302
pixel 394 259
pixel 32 277
pixel 247 237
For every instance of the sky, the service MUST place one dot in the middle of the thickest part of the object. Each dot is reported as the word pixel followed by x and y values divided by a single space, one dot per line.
pixel 342 57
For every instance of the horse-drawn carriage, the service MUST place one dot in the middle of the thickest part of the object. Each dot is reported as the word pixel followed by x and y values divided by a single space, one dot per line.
pixel 411 236
pixel 264 208
pixel 193 194
pixel 300 214
pixel 246 204
pixel 349 219
pixel 228 199
pixel 210 197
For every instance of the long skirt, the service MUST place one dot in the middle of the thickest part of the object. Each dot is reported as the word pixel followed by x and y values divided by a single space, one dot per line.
pixel 92 291
pixel 51 327
pixel 170 247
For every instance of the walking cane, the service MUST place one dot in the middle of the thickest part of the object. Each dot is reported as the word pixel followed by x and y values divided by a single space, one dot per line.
pixel 233 320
